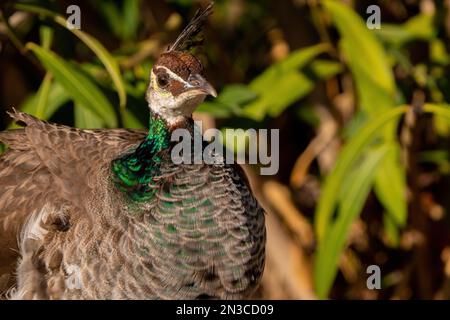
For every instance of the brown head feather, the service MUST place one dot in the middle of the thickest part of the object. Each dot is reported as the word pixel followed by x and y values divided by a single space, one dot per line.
pixel 182 63
pixel 176 58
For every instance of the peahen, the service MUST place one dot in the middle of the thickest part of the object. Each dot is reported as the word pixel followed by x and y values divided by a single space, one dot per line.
pixel 107 214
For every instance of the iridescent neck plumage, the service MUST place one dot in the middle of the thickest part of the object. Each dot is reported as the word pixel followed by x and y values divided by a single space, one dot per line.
pixel 133 172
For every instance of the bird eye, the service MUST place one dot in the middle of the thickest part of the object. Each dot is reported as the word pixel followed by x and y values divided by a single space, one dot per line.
pixel 163 80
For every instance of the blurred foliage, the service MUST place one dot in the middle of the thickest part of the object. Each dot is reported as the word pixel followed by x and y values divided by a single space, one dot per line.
pixel 99 80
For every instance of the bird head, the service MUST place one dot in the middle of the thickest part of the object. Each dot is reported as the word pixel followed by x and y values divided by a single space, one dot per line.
pixel 177 85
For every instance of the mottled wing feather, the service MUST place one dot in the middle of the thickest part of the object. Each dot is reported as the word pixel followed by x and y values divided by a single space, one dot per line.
pixel 202 235
pixel 48 163
pixel 48 160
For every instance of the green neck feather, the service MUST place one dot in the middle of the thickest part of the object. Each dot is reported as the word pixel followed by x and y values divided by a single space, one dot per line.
pixel 133 172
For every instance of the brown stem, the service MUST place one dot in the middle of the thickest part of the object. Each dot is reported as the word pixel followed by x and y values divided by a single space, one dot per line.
pixel 418 217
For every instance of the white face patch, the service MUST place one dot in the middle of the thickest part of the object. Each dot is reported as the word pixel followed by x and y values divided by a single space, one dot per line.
pixel 172 109
pixel 174 76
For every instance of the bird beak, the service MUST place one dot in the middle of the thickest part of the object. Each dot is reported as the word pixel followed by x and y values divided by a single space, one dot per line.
pixel 199 83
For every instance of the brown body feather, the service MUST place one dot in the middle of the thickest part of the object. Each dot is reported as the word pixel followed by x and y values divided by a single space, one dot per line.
pixel 79 239
pixel 31 177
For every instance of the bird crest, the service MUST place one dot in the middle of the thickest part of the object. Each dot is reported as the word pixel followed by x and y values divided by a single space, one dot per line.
pixel 189 37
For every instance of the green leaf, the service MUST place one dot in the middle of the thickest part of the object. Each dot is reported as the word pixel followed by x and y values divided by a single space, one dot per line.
pixel 289 88
pixel 130 18
pixel 57 96
pixel 438 52
pixel 419 27
pixel 442 119
pixel 130 121
pixel 77 85
pixel 356 122
pixel 390 186
pixel 86 119
pixel 215 109
pixel 282 84
pixel 394 34
pixel 391 231
pixel 42 95
pixel 349 154
pixel 376 91
pixel 105 57
pixel 366 58
pixel 307 114
pixel 229 102
pixel 323 69
pixel 332 235
pixel 441 110
pixel 46 35
pixel 352 200
pixel 235 95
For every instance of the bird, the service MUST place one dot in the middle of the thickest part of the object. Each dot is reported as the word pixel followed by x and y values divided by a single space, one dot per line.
pixel 107 214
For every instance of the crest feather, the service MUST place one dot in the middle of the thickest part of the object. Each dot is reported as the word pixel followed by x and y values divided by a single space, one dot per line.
pixel 186 38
